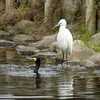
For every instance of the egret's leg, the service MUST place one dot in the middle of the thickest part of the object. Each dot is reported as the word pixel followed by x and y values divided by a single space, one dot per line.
pixel 62 55
pixel 67 58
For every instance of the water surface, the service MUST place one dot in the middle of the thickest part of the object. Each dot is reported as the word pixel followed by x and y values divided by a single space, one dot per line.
pixel 53 82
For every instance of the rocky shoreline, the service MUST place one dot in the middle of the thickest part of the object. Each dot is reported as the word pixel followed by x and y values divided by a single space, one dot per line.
pixel 18 44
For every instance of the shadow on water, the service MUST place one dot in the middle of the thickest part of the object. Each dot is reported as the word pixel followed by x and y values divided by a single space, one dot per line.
pixel 21 83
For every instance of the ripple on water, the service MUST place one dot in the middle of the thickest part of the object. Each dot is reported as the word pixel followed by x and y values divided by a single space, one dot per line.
pixel 54 83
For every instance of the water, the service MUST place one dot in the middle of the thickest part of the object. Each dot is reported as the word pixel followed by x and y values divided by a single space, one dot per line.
pixel 53 82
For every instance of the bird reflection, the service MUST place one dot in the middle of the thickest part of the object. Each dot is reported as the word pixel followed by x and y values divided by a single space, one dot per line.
pixel 37 80
pixel 36 71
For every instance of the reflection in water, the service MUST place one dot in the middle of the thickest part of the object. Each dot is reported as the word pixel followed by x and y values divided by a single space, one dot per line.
pixel 63 86
pixel 37 80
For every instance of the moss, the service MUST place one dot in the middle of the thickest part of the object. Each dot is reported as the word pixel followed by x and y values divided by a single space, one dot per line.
pixel 84 35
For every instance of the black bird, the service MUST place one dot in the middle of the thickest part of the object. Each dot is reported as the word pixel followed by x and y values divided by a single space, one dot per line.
pixel 37 64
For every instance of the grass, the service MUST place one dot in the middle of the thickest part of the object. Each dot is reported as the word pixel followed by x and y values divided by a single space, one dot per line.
pixel 85 36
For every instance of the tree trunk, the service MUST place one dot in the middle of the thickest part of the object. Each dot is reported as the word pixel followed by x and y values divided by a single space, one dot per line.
pixel 48 11
pixel 91 16
pixel 9 5
pixel 70 9
pixel 1 5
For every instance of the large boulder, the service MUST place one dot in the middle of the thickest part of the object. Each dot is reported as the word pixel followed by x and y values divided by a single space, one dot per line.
pixel 95 39
pixel 24 26
pixel 93 61
pixel 81 51
pixel 45 42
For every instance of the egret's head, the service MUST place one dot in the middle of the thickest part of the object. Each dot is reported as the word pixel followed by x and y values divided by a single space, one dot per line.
pixel 62 22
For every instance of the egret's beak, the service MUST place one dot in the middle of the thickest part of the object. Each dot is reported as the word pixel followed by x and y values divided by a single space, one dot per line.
pixel 55 26
pixel 34 59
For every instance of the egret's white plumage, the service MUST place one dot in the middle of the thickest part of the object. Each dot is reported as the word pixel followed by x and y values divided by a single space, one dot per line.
pixel 64 38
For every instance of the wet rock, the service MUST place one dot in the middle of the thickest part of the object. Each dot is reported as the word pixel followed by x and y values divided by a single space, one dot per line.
pixel 7 44
pixel 45 42
pixel 94 60
pixel 7 50
pixel 11 54
pixel 81 51
pixel 89 64
pixel 95 39
pixel 2 55
pixel 46 54
pixel 49 57
pixel 23 39
pixel 26 50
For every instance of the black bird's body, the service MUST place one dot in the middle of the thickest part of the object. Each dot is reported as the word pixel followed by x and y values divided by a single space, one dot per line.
pixel 37 64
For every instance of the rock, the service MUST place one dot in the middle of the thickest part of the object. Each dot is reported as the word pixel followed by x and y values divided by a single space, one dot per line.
pixel 81 51
pixel 94 59
pixel 46 54
pixel 45 42
pixel 26 50
pixel 7 44
pixel 7 51
pixel 11 54
pixel 22 38
pixel 89 64
pixel 95 39
pixel 24 26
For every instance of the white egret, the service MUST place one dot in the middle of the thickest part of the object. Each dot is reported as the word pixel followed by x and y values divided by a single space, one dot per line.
pixel 64 39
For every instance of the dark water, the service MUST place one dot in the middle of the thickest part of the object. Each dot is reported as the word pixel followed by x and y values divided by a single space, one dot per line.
pixel 53 82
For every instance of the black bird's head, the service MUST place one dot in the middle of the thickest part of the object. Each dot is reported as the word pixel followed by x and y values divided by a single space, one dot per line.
pixel 37 61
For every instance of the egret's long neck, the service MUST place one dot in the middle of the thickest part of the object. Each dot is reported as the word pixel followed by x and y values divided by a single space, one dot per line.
pixel 62 28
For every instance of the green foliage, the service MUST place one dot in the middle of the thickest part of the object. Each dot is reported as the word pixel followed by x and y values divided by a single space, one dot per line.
pixel 23 9
pixel 96 48
pixel 84 35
